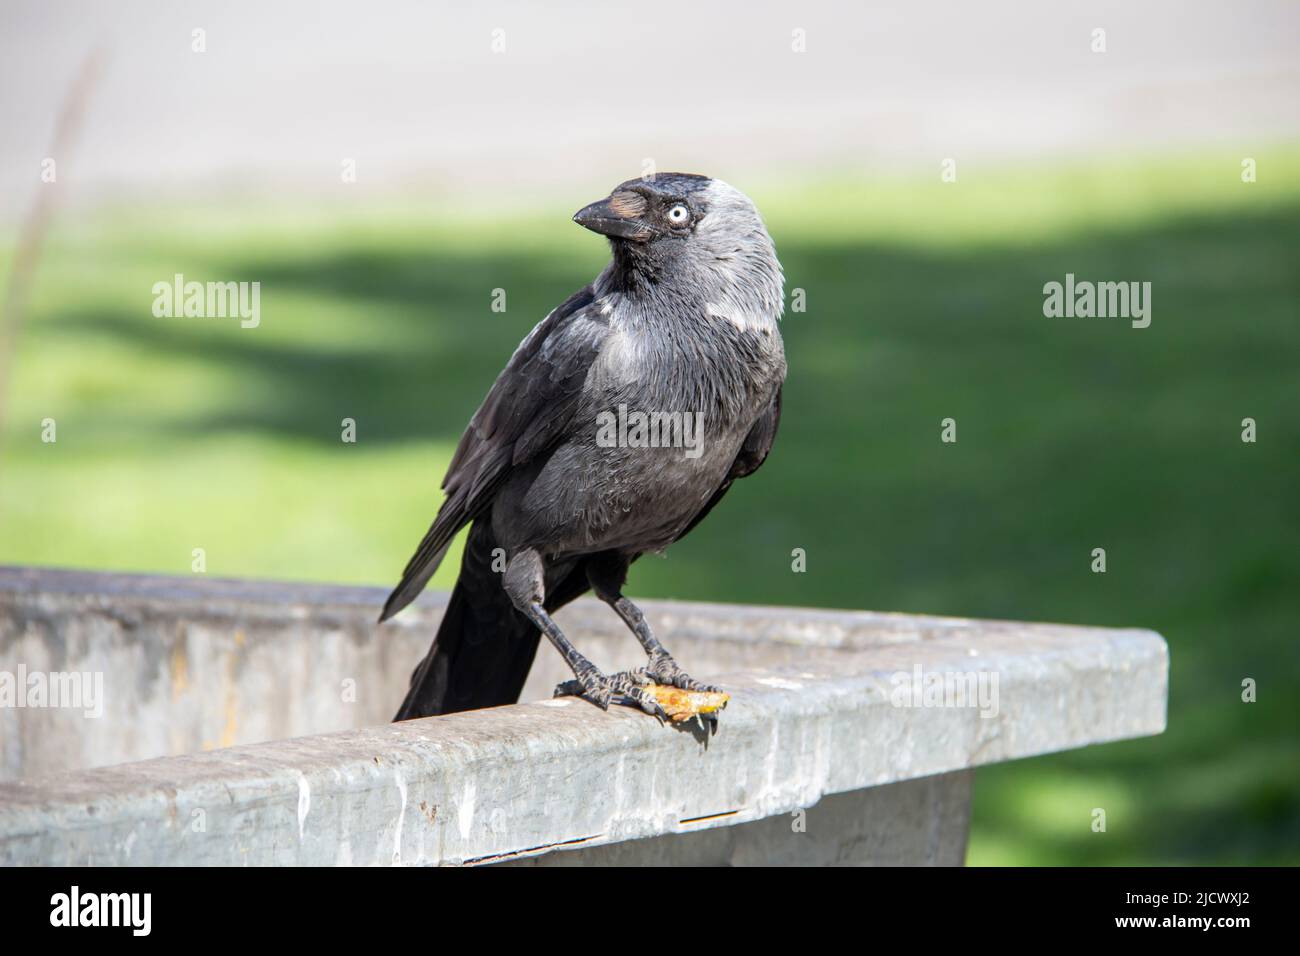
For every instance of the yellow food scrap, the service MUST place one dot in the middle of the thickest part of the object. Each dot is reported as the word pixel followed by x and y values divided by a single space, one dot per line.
pixel 684 704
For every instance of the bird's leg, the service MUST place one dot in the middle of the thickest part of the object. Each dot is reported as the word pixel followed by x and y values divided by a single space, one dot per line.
pixel 524 583
pixel 607 581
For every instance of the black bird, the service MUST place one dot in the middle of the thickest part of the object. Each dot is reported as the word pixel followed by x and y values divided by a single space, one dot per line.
pixel 558 472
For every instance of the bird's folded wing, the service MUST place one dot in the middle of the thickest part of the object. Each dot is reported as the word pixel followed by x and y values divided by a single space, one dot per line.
pixel 753 452
pixel 526 412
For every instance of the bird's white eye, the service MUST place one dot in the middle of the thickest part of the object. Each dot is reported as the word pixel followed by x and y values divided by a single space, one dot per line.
pixel 679 215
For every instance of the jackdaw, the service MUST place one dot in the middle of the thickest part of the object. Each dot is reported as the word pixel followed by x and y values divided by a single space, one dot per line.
pixel 681 326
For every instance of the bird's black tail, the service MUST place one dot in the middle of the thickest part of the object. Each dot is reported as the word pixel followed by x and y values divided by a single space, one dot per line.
pixel 484 648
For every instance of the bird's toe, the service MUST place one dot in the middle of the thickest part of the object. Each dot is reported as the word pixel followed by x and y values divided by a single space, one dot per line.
pixel 662 669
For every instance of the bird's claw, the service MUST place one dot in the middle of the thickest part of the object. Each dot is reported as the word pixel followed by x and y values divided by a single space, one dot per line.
pixel 708 722
pixel 623 688
pixel 662 669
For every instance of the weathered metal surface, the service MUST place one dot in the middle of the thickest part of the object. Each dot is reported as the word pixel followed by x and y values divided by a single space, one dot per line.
pixel 913 823
pixel 815 710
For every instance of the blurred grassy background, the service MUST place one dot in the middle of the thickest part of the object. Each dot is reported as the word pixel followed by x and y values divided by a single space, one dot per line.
pixel 924 302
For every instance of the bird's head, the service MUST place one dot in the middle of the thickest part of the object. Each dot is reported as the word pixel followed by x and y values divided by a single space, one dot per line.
pixel 669 206
pixel 686 226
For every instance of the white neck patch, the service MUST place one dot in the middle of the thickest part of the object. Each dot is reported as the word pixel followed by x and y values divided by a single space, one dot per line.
pixel 746 320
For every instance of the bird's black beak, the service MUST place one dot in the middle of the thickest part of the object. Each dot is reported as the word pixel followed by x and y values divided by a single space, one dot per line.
pixel 619 216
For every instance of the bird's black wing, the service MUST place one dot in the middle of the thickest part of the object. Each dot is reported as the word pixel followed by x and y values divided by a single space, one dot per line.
pixel 753 452
pixel 527 409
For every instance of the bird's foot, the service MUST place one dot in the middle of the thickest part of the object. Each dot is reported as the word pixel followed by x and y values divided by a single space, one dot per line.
pixel 662 669
pixel 624 689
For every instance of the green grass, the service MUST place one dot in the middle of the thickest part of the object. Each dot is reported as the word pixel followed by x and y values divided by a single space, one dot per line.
pixel 924 302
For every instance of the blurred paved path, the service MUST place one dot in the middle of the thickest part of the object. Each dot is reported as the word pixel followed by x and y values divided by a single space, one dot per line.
pixel 585 90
